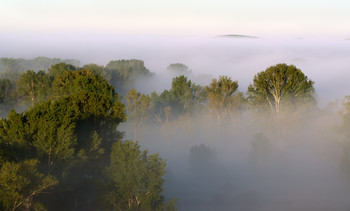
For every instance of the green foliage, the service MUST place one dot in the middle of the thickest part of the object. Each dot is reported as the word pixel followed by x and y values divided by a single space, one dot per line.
pixel 5 87
pixel 97 69
pixel 21 183
pixel 278 86
pixel 69 138
pixel 33 87
pixel 179 69
pixel 44 63
pixel 134 178
pixel 184 97
pixel 224 100
pixel 138 106
pixel 122 74
pixel 71 135
pixel 12 65
pixel 11 68
pixel 51 127
pixel 57 69
pixel 73 82
pixel 14 145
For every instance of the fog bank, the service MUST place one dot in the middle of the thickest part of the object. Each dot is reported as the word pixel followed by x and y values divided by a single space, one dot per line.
pixel 324 60
pixel 252 163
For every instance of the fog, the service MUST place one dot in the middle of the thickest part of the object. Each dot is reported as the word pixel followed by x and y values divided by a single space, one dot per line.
pixel 220 167
pixel 251 163
pixel 324 60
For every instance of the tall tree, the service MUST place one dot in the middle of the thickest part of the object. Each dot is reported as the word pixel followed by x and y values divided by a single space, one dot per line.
pixel 5 86
pixel 73 82
pixel 122 74
pixel 33 86
pixel 185 95
pixel 178 69
pixel 279 85
pixel 224 100
pixel 134 178
pixel 57 69
pixel 138 106
pixel 71 135
pixel 21 183
pixel 184 98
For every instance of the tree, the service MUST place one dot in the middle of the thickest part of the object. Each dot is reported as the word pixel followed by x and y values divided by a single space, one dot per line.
pixel 278 86
pixel 138 106
pixel 184 98
pixel 12 65
pixel 21 183
pixel 19 65
pixel 224 100
pixel 33 86
pixel 57 69
pixel 97 69
pixel 71 135
pixel 5 86
pixel 122 74
pixel 51 130
pixel 134 178
pixel 185 95
pixel 78 81
pixel 44 63
pixel 179 69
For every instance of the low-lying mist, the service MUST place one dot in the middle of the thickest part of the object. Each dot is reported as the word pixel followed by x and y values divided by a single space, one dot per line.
pixel 251 163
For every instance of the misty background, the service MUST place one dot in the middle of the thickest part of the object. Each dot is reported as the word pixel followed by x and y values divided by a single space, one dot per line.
pixel 324 60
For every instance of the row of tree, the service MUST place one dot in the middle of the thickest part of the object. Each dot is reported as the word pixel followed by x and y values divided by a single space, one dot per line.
pixel 19 88
pixel 11 68
pixel 279 89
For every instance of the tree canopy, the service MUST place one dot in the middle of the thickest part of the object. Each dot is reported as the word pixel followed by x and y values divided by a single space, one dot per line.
pixel 224 100
pixel 279 85
pixel 123 73
pixel 178 69
pixel 135 178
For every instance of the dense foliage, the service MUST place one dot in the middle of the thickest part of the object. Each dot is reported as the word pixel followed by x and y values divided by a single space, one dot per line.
pixel 55 154
pixel 280 85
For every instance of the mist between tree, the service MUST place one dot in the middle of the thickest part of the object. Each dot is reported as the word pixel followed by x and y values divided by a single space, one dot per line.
pixel 252 164
pixel 266 145
pixel 246 153
pixel 294 161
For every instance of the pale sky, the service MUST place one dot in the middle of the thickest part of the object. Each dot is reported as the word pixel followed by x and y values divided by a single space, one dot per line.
pixel 179 17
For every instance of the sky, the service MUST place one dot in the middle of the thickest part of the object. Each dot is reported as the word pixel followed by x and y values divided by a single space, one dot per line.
pixel 180 17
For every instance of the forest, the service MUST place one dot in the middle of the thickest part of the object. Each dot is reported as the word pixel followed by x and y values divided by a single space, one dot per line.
pixel 89 138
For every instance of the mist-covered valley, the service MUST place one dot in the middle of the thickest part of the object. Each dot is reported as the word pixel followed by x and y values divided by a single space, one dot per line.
pixel 246 158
